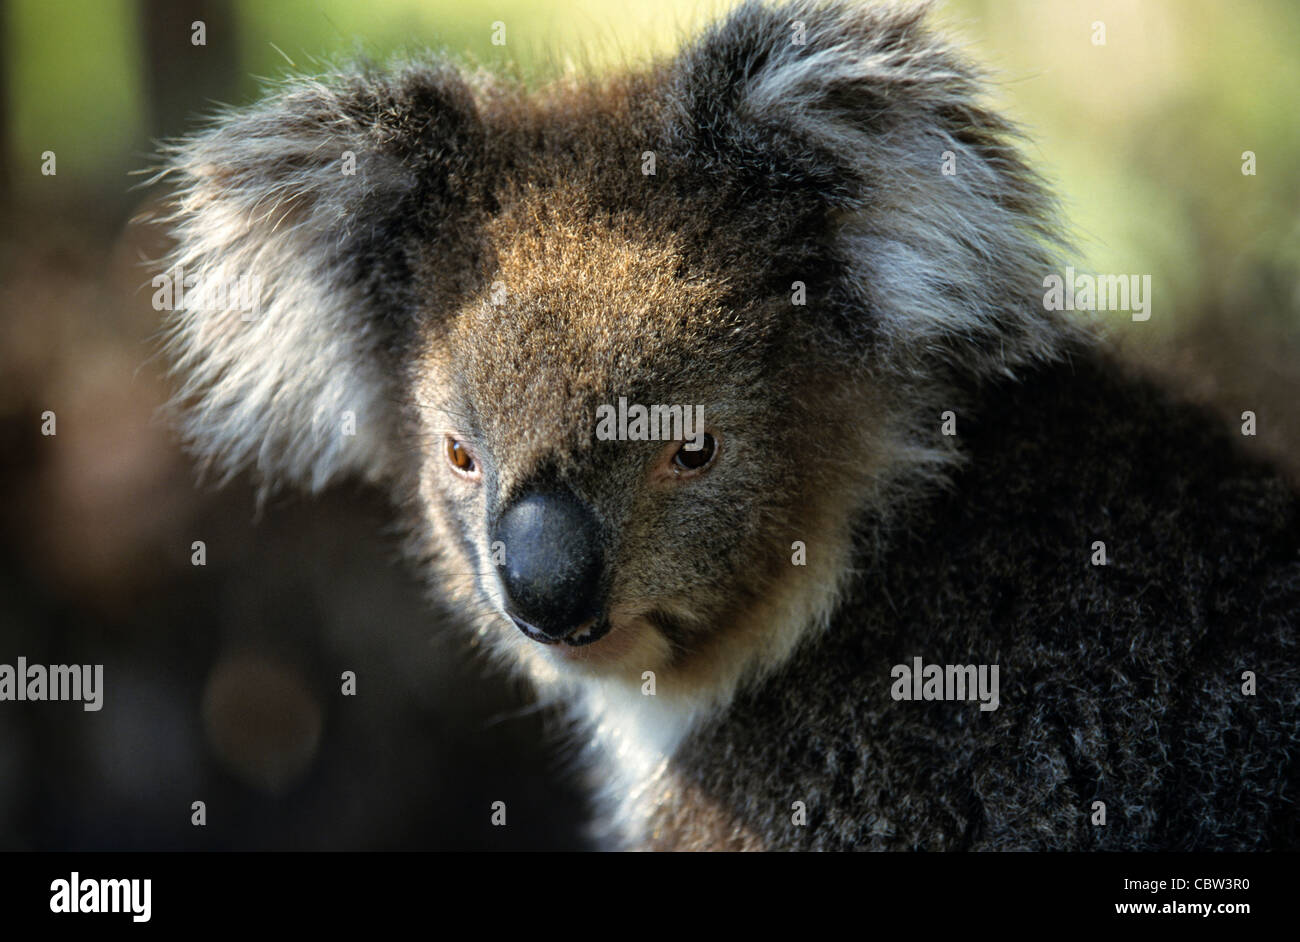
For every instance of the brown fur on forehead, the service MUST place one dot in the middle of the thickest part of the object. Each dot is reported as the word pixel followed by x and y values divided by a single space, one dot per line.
pixel 593 309
pixel 616 283
pixel 579 146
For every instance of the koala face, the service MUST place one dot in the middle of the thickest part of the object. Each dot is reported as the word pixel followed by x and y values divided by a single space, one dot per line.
pixel 616 556
pixel 459 277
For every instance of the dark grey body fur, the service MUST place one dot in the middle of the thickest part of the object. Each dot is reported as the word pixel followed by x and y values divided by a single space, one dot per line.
pixel 1119 683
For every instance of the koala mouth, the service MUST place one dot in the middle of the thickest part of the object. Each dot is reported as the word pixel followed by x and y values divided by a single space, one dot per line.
pixel 586 633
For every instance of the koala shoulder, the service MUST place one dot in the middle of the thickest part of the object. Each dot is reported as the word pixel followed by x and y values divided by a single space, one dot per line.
pixel 1101 666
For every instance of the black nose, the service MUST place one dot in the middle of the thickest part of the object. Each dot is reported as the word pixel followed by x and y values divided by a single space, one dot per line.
pixel 553 563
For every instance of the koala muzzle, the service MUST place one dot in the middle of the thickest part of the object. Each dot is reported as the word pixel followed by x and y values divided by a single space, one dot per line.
pixel 553 567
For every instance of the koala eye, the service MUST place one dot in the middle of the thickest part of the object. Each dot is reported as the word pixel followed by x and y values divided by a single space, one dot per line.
pixel 686 461
pixel 461 459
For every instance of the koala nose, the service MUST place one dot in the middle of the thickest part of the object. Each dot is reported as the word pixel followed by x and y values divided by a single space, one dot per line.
pixel 553 564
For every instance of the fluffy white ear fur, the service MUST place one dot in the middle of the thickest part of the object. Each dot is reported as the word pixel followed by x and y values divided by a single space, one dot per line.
pixel 266 216
pixel 940 261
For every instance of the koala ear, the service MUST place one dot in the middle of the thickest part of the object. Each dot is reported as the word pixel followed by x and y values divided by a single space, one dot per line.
pixel 940 230
pixel 302 226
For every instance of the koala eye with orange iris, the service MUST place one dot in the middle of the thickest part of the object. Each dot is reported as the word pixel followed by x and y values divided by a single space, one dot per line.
pixel 461 459
pixel 696 462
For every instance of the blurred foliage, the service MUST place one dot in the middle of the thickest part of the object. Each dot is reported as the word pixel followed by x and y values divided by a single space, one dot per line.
pixel 73 83
pixel 1143 135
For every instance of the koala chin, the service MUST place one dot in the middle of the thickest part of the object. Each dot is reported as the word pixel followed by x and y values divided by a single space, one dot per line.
pixel 900 454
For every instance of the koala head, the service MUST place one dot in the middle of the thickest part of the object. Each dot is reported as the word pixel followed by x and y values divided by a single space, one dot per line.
pixel 459 279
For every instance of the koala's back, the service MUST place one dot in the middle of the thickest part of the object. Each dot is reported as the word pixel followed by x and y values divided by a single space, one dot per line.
pixel 1119 683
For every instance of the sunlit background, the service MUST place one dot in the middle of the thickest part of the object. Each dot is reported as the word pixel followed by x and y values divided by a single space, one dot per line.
pixel 223 679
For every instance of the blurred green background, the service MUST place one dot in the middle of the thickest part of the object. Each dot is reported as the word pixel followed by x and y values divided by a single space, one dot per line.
pixel 1143 135
pixel 224 677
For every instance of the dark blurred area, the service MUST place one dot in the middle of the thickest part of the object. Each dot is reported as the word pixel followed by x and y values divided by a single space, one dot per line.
pixel 223 681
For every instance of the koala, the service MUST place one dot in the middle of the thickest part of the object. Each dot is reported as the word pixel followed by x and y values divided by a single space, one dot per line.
pixel 891 453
